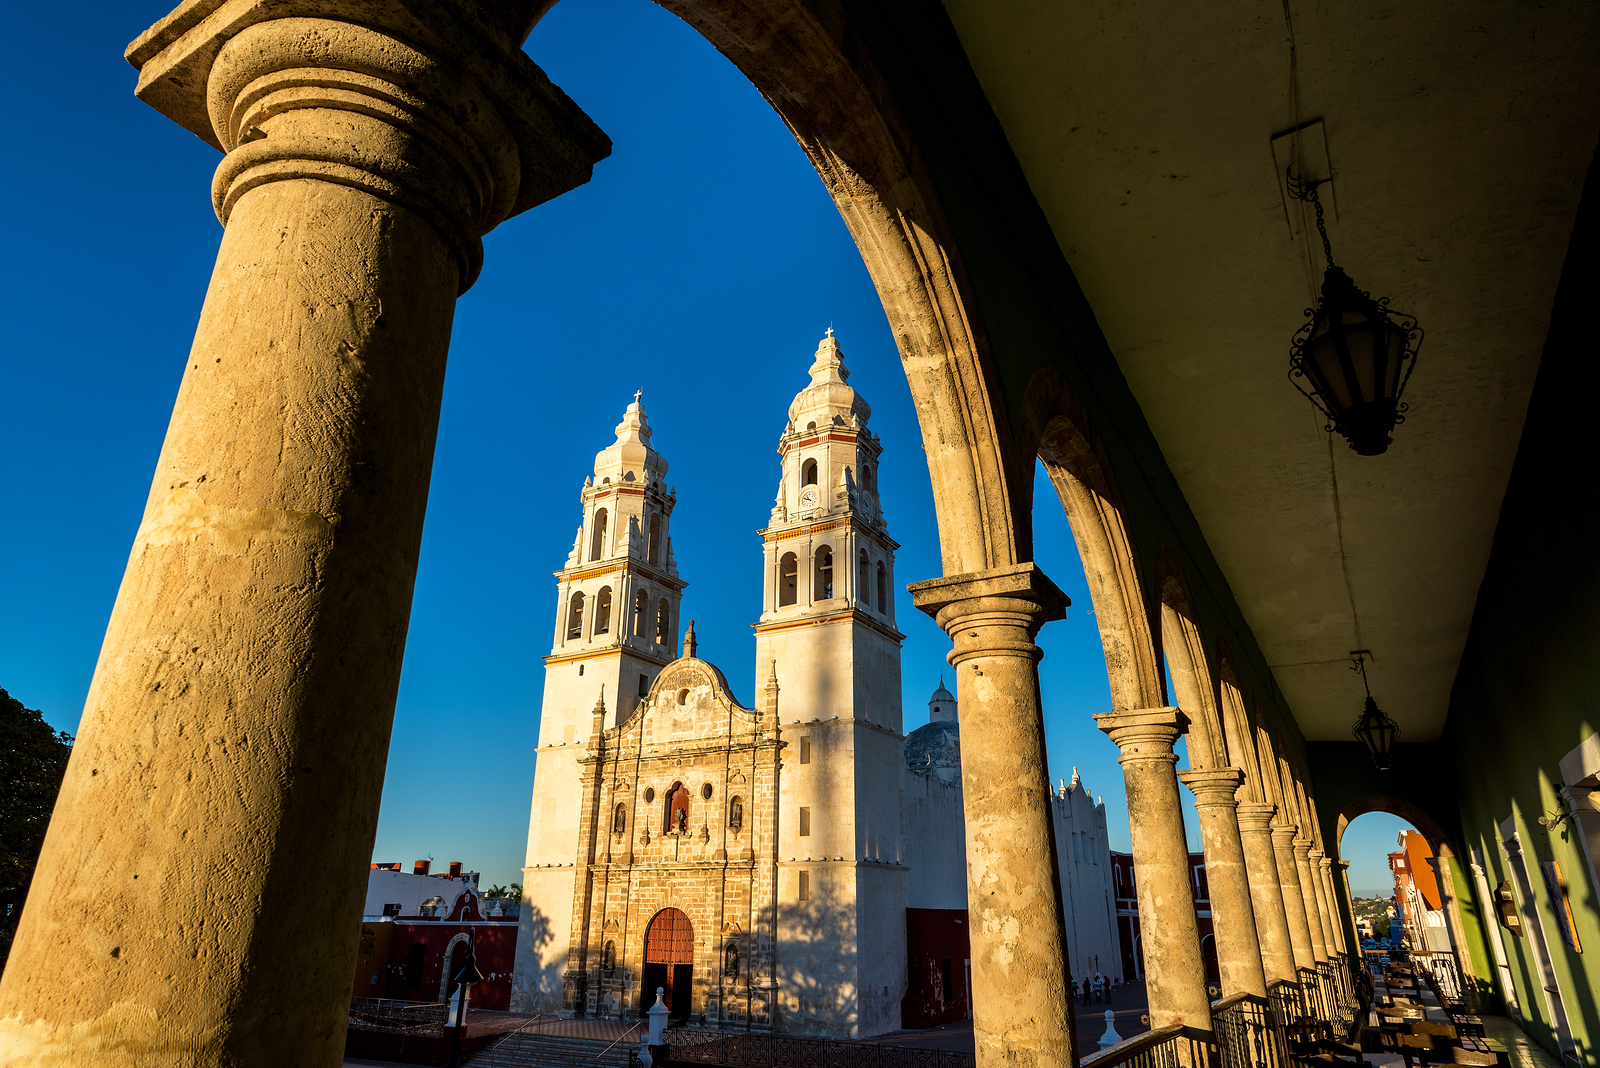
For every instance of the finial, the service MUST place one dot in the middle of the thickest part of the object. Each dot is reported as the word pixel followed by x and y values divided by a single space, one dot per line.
pixel 637 394
pixel 600 705
pixel 830 329
pixel 689 644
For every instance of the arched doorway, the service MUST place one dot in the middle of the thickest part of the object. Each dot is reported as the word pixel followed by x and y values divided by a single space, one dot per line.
pixel 669 963
pixel 455 958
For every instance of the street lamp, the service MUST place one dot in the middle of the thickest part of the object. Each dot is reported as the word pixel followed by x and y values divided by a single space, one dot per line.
pixel 468 975
pixel 1352 352
pixel 1377 731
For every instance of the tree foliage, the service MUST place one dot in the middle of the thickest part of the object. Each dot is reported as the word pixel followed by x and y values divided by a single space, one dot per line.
pixel 33 759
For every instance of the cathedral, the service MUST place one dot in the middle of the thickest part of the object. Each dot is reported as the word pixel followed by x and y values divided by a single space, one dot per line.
pixel 796 866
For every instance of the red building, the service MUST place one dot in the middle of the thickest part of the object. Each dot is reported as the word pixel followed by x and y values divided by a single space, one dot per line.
pixel 1128 914
pixel 413 957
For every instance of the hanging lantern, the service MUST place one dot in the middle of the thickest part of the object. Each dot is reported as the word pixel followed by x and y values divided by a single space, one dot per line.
pixel 1377 731
pixel 1353 356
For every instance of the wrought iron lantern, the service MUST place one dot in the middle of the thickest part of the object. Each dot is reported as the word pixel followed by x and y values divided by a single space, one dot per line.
pixel 1377 731
pixel 1352 356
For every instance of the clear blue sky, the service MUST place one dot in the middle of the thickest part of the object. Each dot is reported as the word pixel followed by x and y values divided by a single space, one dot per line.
pixel 702 265
pixel 1368 841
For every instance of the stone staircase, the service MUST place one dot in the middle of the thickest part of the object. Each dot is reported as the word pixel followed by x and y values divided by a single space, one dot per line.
pixel 525 1050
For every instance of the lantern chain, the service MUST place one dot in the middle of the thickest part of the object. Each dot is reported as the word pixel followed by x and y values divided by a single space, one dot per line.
pixel 1300 189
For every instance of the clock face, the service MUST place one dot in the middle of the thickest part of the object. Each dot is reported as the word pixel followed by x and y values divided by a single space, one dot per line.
pixel 808 497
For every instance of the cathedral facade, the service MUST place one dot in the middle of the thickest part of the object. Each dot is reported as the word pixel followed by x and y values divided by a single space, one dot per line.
pixel 777 867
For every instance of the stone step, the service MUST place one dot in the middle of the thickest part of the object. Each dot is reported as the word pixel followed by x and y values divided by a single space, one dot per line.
pixel 551 1051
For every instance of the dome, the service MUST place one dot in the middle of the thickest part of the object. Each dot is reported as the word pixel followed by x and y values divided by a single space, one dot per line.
pixel 630 457
pixel 935 749
pixel 828 400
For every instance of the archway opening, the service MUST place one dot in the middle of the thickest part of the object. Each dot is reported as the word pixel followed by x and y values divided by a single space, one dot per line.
pixel 669 964
pixel 1404 891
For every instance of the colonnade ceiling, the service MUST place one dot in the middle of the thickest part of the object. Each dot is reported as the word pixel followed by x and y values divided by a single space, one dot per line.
pixel 1459 137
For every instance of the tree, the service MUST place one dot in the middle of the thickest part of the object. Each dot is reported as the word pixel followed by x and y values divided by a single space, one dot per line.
pixel 497 890
pixel 516 891
pixel 33 759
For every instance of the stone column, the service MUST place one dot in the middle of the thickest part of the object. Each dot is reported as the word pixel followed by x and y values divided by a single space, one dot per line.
pixel 1294 904
pixel 1308 894
pixel 198 898
pixel 1021 1004
pixel 1266 891
pixel 1315 858
pixel 1175 974
pixel 1232 910
pixel 1330 894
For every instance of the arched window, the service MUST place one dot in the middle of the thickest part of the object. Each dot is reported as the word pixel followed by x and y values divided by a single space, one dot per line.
pixel 602 611
pixel 863 575
pixel 736 814
pixel 575 617
pixel 866 478
pixel 808 473
pixel 653 546
pixel 619 819
pixel 811 425
pixel 788 579
pixel 677 809
pixel 822 588
pixel 597 545
pixel 730 960
pixel 883 588
pixel 663 623
pixel 641 615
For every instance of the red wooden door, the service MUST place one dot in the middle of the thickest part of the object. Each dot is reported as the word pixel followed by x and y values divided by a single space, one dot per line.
pixel 670 939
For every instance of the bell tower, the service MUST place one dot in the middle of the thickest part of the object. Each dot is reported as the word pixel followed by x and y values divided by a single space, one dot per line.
pixel 616 619
pixel 828 627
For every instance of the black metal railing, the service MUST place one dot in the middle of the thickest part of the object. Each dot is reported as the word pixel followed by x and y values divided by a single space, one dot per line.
pixel 398 1017
pixel 1283 1000
pixel 1442 970
pixel 753 1049
pixel 1162 1047
pixel 1248 1033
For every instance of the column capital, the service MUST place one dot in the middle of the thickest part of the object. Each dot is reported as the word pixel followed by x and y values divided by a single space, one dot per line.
pixel 1256 815
pixel 946 599
pixel 1213 786
pixel 1144 734
pixel 1315 854
pixel 1285 834
pixel 1302 847
pixel 417 104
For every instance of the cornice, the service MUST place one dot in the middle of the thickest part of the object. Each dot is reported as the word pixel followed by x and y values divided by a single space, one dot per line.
pixel 852 614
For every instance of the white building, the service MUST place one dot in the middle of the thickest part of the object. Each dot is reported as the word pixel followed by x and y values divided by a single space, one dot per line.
pixel 777 893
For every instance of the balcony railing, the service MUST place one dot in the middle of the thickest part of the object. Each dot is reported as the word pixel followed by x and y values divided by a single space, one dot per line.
pixel 1162 1047
pixel 1248 1033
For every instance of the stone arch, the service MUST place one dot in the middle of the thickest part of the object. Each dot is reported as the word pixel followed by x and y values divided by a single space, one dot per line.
pixel 1081 475
pixel 464 938
pixel 1236 730
pixel 1185 653
pixel 1395 806
pixel 808 61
